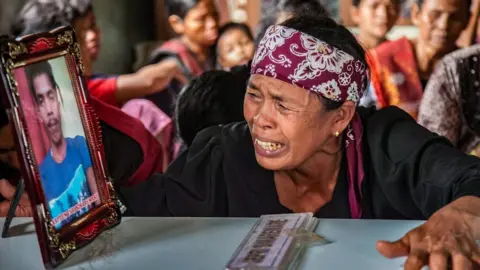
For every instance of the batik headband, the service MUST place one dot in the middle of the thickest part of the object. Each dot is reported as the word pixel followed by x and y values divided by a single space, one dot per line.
pixel 300 59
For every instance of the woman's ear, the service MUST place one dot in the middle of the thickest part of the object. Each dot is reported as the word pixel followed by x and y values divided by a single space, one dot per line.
pixel 177 24
pixel 344 116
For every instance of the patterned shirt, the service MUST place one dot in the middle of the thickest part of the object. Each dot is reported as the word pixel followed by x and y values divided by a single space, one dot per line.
pixel 441 108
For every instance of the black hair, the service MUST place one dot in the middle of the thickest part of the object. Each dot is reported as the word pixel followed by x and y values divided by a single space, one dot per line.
pixel 357 3
pixel 232 25
pixel 421 2
pixel 327 30
pixel 291 6
pixel 37 69
pixel 227 27
pixel 179 8
pixel 213 98
pixel 299 6
pixel 38 16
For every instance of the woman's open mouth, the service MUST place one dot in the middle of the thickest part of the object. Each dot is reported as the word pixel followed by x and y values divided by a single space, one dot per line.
pixel 268 149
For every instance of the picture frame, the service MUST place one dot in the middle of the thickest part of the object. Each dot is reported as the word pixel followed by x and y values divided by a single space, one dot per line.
pixel 58 141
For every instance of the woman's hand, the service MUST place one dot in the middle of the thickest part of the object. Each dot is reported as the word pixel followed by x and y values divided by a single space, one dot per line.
pixel 24 208
pixel 449 233
pixel 148 80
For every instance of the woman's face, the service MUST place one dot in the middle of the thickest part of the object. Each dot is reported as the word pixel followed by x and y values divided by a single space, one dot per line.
pixel 288 124
pixel 200 23
pixel 377 17
pixel 234 48
pixel 440 23
pixel 92 35
pixel 79 26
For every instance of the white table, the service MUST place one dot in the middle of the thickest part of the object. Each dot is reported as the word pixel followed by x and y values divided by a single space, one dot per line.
pixel 202 243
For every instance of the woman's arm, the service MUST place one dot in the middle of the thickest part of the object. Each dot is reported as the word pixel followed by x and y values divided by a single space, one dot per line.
pixel 193 185
pixel 418 171
pixel 148 80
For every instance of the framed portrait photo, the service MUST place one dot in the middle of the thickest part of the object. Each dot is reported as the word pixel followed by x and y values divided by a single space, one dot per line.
pixel 59 142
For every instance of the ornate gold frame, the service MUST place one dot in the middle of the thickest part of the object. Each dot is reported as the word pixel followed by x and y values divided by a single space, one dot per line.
pixel 55 245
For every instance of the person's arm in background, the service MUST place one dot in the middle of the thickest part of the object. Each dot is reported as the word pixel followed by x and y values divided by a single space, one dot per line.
pixel 148 80
pixel 440 110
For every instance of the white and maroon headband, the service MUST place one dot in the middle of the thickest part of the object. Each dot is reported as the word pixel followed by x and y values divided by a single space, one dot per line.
pixel 300 59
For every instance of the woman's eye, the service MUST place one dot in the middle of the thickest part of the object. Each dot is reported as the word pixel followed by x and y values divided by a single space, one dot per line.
pixel 253 95
pixel 282 107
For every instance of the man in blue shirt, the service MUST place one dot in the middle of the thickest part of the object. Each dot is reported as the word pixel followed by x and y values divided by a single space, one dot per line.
pixel 66 172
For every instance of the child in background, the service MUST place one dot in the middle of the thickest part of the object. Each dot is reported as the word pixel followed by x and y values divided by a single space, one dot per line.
pixel 195 23
pixel 374 19
pixel 38 16
pixel 213 98
pixel 235 46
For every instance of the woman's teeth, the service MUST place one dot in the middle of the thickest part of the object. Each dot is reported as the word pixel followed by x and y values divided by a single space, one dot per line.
pixel 268 145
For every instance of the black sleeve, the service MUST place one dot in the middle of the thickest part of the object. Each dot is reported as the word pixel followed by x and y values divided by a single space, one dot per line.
pixel 122 153
pixel 418 171
pixel 192 186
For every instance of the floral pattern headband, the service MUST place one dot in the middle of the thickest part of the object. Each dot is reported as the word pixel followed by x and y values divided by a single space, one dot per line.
pixel 305 61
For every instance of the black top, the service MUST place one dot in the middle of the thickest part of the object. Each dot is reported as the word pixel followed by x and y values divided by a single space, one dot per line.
pixel 410 173
pixel 424 84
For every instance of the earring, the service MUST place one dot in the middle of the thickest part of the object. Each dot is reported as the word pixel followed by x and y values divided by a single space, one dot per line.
pixel 337 133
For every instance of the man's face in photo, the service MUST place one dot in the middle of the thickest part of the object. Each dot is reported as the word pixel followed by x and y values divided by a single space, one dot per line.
pixel 48 106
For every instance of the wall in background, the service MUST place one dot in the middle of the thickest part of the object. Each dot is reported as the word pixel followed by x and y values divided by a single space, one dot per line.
pixel 124 23
pixel 8 10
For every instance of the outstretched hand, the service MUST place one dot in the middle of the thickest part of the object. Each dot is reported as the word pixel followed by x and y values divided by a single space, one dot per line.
pixel 448 237
pixel 163 73
pixel 24 208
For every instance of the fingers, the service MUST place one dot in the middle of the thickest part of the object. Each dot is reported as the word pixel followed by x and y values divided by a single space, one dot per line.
pixel 393 249
pixel 23 211
pixel 439 259
pixel 6 189
pixel 460 261
pixel 416 259
pixel 20 211
pixel 4 206
pixel 399 248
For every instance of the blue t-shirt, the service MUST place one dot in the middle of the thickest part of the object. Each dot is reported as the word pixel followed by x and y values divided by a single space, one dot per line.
pixel 65 184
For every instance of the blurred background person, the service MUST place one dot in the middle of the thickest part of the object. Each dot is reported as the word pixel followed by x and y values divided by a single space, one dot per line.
pixel 374 19
pixel 44 15
pixel 451 104
pixel 401 68
pixel 235 45
pixel 195 23
pixel 214 98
